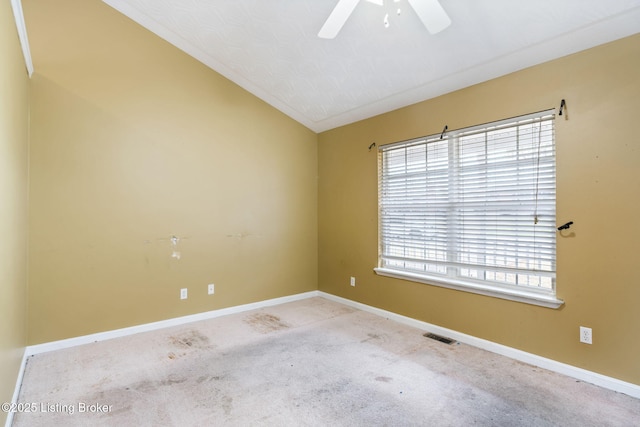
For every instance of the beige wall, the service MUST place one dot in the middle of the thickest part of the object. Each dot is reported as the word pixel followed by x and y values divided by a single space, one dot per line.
pixel 598 184
pixel 132 142
pixel 14 124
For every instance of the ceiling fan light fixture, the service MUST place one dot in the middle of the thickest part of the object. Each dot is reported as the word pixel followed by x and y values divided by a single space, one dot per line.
pixel 430 12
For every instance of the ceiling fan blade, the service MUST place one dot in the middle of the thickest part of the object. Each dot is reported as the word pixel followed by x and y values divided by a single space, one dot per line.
pixel 338 17
pixel 432 15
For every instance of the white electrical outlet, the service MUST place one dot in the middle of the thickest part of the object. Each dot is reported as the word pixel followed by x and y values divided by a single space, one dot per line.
pixel 352 282
pixel 183 293
pixel 586 335
pixel 211 289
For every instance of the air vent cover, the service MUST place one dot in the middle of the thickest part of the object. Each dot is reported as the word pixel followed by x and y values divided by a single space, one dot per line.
pixel 439 338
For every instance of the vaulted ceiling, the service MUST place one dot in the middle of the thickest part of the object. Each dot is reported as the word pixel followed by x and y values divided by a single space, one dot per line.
pixel 271 48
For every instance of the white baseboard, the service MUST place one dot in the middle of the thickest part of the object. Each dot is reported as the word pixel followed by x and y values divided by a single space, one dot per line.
pixel 176 321
pixel 532 359
pixel 604 381
pixel 16 391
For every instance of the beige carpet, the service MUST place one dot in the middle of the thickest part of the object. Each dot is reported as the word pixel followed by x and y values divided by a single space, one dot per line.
pixel 307 363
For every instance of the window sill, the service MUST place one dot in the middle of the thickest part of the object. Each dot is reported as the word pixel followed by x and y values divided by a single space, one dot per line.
pixel 523 296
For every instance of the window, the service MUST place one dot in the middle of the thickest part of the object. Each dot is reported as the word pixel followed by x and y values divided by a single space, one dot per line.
pixel 473 210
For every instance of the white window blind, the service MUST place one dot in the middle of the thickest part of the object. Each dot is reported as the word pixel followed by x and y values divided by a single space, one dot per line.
pixel 475 209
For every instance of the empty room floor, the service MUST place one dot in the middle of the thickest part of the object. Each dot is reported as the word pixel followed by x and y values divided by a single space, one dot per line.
pixel 311 362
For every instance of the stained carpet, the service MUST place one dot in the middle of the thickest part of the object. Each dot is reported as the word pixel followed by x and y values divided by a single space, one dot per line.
pixel 312 362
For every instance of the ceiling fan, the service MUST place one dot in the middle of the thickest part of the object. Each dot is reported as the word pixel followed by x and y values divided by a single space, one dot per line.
pixel 430 12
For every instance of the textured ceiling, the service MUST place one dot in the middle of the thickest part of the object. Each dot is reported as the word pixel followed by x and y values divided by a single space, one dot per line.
pixel 271 48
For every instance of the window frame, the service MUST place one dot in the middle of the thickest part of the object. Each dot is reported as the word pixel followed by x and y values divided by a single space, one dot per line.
pixel 513 292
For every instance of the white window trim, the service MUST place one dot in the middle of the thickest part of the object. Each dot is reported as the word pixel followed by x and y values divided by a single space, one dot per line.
pixel 518 294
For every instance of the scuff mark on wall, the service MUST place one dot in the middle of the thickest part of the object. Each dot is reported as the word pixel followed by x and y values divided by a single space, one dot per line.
pixel 243 235
pixel 174 245
pixel 175 253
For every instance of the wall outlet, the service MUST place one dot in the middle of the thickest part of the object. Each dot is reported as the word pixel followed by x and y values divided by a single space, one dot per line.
pixel 352 282
pixel 586 335
pixel 211 289
pixel 183 293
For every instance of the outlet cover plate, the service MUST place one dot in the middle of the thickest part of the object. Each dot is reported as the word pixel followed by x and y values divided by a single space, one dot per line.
pixel 586 335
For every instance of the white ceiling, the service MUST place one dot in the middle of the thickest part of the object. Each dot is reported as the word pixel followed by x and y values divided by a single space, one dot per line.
pixel 271 48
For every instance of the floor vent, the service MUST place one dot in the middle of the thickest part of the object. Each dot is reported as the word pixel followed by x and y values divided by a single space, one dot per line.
pixel 439 338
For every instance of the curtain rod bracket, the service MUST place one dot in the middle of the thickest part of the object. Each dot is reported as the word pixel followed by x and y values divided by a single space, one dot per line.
pixel 373 144
pixel 565 226
pixel 563 105
pixel 443 131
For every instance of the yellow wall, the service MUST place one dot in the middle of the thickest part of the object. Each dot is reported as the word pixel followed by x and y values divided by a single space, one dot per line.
pixel 133 141
pixel 14 125
pixel 598 187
